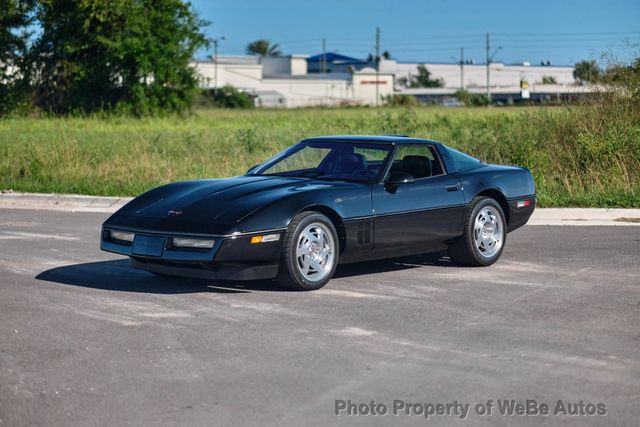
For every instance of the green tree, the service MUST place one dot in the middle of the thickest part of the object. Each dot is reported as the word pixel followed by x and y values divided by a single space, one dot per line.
pixel 549 80
pixel 127 55
pixel 423 79
pixel 14 19
pixel 263 48
pixel 587 71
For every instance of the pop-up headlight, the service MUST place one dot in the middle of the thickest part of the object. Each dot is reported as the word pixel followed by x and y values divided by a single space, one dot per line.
pixel 121 235
pixel 180 242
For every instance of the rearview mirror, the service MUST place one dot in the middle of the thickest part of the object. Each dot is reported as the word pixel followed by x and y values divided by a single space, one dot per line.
pixel 397 178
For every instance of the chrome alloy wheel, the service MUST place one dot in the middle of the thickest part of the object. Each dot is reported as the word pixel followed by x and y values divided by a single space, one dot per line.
pixel 315 252
pixel 488 232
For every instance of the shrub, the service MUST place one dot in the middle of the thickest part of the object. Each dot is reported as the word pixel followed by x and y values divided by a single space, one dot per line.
pixel 400 100
pixel 471 99
pixel 226 97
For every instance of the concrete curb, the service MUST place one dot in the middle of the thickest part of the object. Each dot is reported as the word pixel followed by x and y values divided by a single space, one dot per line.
pixel 62 202
pixel 585 216
pixel 78 203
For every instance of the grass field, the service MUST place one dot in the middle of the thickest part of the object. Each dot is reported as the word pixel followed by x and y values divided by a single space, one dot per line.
pixel 580 156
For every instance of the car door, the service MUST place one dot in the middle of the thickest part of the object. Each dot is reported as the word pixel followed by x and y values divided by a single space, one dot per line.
pixel 427 209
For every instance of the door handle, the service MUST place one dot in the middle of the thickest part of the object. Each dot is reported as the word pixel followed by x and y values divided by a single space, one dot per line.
pixel 454 187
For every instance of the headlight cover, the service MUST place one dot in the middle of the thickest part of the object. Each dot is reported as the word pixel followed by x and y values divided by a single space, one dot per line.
pixel 180 242
pixel 121 235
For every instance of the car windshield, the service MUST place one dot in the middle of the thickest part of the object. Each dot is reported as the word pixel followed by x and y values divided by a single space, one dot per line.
pixel 339 160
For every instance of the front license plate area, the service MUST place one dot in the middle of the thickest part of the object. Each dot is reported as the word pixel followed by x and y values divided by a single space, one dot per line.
pixel 148 245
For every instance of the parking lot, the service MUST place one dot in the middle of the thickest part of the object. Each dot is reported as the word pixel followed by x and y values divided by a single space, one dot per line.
pixel 86 340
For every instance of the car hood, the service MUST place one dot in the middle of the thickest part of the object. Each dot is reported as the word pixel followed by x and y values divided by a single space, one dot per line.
pixel 221 201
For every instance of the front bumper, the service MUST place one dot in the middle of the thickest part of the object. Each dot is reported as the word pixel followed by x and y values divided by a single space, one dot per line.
pixel 232 257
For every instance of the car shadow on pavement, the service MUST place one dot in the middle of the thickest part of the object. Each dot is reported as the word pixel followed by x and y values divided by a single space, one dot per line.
pixel 117 275
pixel 436 259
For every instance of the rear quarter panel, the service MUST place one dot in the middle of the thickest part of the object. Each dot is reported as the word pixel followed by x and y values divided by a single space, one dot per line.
pixel 513 182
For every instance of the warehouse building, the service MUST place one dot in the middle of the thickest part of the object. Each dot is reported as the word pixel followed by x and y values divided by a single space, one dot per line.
pixel 332 79
pixel 284 81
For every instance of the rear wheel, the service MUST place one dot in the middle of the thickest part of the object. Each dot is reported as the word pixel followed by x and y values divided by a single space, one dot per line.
pixel 485 234
pixel 309 253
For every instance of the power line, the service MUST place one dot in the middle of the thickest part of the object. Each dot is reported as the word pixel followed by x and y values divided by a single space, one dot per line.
pixel 377 64
pixel 566 34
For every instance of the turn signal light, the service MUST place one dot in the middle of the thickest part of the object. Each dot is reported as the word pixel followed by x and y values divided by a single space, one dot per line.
pixel 264 239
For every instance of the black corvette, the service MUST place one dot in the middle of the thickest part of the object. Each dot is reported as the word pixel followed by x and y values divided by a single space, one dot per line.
pixel 324 201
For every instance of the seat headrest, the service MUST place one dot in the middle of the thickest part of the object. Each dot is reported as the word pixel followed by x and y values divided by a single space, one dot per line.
pixel 417 166
pixel 350 163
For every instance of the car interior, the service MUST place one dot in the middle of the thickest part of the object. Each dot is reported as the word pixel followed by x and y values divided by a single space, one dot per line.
pixel 347 162
pixel 418 166
pixel 362 163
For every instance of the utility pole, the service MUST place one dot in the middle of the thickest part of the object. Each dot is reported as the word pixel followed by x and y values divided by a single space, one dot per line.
pixel 462 68
pixel 489 60
pixel 323 63
pixel 377 65
pixel 215 65
pixel 488 46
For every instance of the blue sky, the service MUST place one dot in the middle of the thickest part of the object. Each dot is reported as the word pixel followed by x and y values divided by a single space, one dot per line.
pixel 561 31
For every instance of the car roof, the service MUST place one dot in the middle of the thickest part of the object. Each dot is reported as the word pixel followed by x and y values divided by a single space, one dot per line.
pixel 375 139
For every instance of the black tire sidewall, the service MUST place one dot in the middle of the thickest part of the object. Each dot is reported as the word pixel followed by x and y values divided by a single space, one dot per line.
pixel 289 255
pixel 478 257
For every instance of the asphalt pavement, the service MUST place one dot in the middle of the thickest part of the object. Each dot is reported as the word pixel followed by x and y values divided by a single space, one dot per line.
pixel 85 340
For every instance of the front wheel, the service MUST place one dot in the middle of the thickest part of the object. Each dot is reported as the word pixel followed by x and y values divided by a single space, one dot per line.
pixel 309 253
pixel 485 234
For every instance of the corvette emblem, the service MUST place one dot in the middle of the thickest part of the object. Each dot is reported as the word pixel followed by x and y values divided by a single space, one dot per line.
pixel 174 213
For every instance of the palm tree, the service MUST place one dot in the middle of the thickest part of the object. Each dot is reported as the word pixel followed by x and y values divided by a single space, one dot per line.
pixel 263 48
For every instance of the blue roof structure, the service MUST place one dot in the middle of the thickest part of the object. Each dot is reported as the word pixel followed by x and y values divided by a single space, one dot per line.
pixel 332 57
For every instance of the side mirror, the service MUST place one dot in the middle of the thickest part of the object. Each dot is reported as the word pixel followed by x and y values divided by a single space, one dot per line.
pixel 397 178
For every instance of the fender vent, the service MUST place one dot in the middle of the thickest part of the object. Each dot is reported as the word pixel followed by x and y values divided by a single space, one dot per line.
pixel 364 233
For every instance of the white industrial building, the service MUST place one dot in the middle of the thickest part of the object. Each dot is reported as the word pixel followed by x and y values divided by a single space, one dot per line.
pixel 332 79
pixel 475 75
pixel 284 81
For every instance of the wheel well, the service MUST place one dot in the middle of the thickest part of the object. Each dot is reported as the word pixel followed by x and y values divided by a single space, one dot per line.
pixel 336 220
pixel 498 197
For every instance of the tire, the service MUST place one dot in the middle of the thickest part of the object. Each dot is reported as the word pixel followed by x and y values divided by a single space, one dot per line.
pixel 481 245
pixel 309 252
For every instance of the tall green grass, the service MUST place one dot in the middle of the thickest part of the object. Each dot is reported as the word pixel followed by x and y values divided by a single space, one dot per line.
pixel 580 156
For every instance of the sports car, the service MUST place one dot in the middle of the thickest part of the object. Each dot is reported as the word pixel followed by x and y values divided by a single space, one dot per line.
pixel 321 202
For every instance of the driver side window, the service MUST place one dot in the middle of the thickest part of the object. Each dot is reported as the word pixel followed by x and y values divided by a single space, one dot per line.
pixel 419 161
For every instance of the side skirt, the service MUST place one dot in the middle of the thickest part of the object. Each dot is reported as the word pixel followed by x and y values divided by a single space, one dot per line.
pixel 370 255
